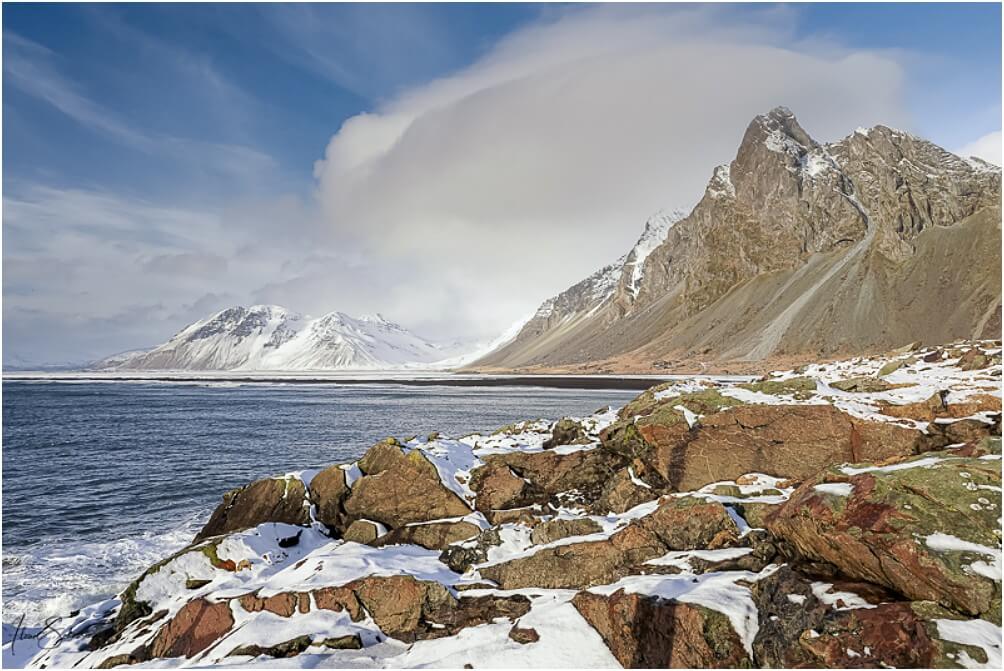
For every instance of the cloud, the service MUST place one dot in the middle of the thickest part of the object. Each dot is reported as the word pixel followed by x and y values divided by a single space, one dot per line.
pixel 33 69
pixel 987 147
pixel 504 183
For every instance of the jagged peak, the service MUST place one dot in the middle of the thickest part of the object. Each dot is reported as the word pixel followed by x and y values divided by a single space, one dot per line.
pixel 779 130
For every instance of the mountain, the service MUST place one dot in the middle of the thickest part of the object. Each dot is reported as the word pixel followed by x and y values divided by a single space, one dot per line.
pixel 268 337
pixel 796 250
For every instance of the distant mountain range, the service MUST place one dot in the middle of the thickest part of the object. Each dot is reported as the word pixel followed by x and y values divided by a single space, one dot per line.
pixel 796 250
pixel 271 338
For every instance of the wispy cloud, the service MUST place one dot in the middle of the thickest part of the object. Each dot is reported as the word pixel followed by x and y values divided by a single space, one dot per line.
pixel 33 69
pixel 987 147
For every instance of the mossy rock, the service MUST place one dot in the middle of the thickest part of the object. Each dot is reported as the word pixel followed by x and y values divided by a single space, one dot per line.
pixel 800 388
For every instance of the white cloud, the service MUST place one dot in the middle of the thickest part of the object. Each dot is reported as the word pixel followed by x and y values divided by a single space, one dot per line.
pixel 504 183
pixel 987 147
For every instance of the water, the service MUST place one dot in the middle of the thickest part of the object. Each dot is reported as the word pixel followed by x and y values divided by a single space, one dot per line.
pixel 102 479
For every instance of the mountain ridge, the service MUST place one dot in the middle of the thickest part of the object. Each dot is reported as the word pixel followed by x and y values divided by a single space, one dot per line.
pixel 796 249
pixel 272 338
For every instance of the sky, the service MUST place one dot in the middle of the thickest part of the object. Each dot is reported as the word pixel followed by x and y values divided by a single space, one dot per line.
pixel 449 166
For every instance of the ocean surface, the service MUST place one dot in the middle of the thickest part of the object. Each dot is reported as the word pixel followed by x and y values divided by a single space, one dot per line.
pixel 101 479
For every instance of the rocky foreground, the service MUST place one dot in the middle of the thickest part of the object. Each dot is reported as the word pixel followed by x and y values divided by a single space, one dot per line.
pixel 842 515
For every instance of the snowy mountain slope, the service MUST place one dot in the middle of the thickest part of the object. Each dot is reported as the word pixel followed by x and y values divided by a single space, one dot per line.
pixel 269 337
pixel 796 248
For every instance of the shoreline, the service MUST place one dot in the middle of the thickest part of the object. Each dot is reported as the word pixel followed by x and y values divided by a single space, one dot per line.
pixel 587 382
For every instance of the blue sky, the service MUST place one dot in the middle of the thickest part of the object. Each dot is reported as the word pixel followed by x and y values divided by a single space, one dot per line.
pixel 163 161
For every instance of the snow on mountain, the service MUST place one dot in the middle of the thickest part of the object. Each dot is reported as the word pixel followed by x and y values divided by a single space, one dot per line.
pixel 656 230
pixel 271 338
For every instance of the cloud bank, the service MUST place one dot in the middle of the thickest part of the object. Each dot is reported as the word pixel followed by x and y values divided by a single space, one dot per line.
pixel 987 147
pixel 502 184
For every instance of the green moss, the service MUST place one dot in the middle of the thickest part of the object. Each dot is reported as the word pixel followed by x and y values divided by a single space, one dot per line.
pixel 801 388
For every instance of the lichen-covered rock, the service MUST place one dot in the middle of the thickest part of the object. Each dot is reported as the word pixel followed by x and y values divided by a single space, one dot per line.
pixel 401 488
pixel 566 432
pixel 328 490
pixel 927 528
pixel 498 488
pixel 430 535
pixel 556 529
pixel 626 489
pixel 362 531
pixel 800 388
pixel 793 441
pixel 585 471
pixel 462 556
pixel 652 633
pixel 269 500
pixel 798 630
pixel 678 524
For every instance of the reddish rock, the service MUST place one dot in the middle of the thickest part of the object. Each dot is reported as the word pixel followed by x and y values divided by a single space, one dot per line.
pixel 328 490
pixel 198 624
pixel 887 529
pixel 793 441
pixel 400 489
pixel 268 500
pixel 498 488
pixel 652 633
pixel 431 535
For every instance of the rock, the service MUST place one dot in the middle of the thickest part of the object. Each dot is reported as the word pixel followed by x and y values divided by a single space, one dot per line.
pixel 585 471
pixel 578 565
pixel 462 556
pixel 283 604
pixel 936 407
pixel 566 432
pixel 528 516
pixel 794 441
pixel 893 366
pixel 974 359
pixel 498 488
pixel 432 535
pixel 349 642
pixel 524 635
pixel 648 632
pixel 800 388
pixel 400 489
pixel 552 530
pixel 621 492
pixel 328 490
pixel 362 531
pixel 385 454
pixel 911 529
pixel 198 624
pixel 289 648
pixel 269 500
pixel 678 524
pixel 797 630
pixel 866 385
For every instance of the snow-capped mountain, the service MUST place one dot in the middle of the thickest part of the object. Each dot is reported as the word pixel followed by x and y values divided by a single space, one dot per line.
pixel 795 249
pixel 271 338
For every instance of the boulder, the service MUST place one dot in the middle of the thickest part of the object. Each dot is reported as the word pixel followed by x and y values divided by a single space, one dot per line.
pixel 926 528
pixel 401 488
pixel 524 635
pixel 937 407
pixel 794 441
pixel 976 359
pixel 328 490
pixel 269 500
pixel 195 627
pixel 622 492
pixel 678 524
pixel 797 630
pixel 362 531
pixel 566 432
pixel 585 471
pixel 430 535
pixel 648 632
pixel 864 385
pixel 556 529
pixel 498 488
